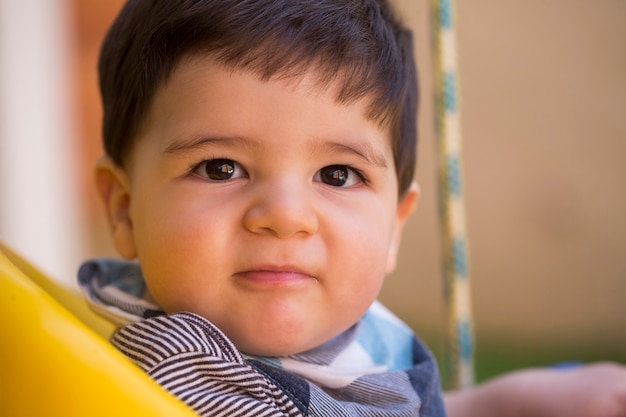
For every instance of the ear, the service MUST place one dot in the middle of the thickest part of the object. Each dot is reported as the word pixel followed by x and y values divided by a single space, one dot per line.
pixel 406 206
pixel 113 187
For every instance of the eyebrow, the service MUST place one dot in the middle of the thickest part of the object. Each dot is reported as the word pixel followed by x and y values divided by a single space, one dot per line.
pixel 194 142
pixel 362 150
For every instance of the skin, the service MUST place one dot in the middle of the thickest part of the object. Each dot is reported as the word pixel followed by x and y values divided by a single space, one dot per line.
pixel 264 206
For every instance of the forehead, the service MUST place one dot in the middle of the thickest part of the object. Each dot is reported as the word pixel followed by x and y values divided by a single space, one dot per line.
pixel 199 85
pixel 317 75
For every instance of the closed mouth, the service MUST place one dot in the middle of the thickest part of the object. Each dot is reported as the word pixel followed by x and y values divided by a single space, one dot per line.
pixel 273 276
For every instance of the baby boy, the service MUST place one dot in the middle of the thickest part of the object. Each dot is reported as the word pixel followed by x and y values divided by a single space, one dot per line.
pixel 259 166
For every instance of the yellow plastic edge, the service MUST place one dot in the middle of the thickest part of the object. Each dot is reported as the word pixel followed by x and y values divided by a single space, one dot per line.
pixel 68 298
pixel 52 364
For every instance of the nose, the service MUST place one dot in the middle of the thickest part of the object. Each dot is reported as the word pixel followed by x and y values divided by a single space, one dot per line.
pixel 282 208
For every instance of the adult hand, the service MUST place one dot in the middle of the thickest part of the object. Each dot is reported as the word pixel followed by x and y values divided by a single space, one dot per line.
pixel 596 390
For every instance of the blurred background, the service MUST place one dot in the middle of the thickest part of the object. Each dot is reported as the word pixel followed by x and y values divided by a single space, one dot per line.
pixel 543 105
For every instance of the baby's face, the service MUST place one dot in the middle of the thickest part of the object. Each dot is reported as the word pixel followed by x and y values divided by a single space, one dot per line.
pixel 266 207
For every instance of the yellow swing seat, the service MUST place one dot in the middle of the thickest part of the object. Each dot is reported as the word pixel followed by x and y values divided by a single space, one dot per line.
pixel 55 359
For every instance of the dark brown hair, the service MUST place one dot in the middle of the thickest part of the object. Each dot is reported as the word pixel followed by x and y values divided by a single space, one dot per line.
pixel 356 43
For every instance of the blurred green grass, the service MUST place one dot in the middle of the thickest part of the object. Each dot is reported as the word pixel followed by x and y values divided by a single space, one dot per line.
pixel 493 360
pixel 496 358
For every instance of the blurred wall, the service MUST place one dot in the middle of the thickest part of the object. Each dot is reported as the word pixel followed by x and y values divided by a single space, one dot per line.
pixel 543 90
pixel 543 87
pixel 40 205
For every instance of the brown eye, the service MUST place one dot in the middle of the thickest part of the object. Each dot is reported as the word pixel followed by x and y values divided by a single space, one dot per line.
pixel 219 169
pixel 338 176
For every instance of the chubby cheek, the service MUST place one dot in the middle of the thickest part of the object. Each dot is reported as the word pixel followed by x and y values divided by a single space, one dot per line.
pixel 363 245
pixel 366 273
pixel 178 249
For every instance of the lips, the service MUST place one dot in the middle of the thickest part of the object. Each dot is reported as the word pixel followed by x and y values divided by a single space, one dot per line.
pixel 274 276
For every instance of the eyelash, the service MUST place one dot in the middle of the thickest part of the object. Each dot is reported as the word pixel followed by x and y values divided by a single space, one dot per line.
pixel 237 168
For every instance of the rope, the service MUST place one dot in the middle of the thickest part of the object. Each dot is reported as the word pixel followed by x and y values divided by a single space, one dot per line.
pixel 459 355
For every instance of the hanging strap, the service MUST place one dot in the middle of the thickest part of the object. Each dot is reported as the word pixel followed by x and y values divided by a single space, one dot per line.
pixel 459 367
